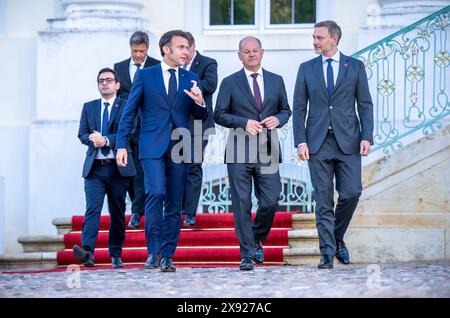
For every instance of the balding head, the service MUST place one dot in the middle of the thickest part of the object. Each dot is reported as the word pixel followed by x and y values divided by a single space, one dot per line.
pixel 247 39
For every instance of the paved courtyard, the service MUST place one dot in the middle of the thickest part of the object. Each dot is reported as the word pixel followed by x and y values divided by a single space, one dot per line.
pixel 416 279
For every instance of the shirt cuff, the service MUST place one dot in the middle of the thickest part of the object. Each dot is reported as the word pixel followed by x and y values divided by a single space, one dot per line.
pixel 201 105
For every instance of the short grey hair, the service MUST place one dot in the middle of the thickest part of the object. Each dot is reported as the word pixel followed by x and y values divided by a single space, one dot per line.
pixel 333 29
pixel 138 38
pixel 248 38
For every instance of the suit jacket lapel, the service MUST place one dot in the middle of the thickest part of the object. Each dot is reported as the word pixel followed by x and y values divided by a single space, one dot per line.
pixel 342 71
pixel 267 77
pixel 127 78
pixel 243 84
pixel 182 83
pixel 147 62
pixel 97 114
pixel 195 62
pixel 113 112
pixel 160 83
pixel 318 70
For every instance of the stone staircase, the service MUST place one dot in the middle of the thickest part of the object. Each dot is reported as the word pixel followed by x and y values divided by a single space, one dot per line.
pixel 39 251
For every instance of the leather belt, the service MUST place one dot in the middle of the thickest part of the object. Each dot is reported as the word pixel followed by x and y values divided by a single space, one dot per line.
pixel 106 161
pixel 330 131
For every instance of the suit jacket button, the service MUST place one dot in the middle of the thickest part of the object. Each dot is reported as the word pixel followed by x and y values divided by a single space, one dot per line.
pixel 331 107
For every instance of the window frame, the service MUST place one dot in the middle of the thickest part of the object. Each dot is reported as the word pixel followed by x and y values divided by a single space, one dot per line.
pixel 270 26
pixel 207 19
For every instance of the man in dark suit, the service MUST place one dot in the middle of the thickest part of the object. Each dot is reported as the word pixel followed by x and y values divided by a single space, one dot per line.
pixel 206 69
pixel 335 136
pixel 167 96
pixel 251 102
pixel 126 70
pixel 98 127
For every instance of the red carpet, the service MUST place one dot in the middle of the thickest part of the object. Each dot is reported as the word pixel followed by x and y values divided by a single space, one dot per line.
pixel 212 242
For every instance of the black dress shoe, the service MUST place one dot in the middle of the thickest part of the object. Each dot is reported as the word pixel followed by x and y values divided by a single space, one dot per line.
pixel 85 257
pixel 117 262
pixel 326 262
pixel 342 253
pixel 135 221
pixel 259 253
pixel 246 264
pixel 152 261
pixel 167 265
pixel 189 220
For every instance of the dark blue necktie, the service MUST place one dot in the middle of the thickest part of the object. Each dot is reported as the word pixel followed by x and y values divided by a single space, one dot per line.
pixel 138 67
pixel 330 78
pixel 105 124
pixel 172 86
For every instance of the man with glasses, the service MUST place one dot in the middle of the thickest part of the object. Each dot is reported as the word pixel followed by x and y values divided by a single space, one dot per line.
pixel 98 126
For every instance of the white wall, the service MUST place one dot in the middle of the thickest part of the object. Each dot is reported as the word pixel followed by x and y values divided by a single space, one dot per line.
pixel 2 216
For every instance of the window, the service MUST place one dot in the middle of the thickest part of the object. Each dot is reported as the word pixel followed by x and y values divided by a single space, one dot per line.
pixel 292 11
pixel 232 12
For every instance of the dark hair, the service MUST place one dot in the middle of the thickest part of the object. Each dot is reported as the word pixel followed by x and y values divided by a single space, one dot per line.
pixel 108 70
pixel 333 29
pixel 167 38
pixel 139 37
pixel 249 37
pixel 190 38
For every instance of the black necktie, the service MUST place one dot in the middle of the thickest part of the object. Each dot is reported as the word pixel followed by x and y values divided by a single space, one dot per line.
pixel 105 124
pixel 172 86
pixel 330 78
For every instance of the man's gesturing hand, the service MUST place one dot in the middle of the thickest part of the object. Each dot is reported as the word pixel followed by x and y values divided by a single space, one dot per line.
pixel 195 93
pixel 271 122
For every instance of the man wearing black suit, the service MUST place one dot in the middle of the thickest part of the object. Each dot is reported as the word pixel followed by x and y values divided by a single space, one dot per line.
pixel 126 70
pixel 206 69
pixel 98 126
pixel 335 136
pixel 253 102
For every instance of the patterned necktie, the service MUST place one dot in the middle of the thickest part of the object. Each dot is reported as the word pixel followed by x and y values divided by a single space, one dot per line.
pixel 330 78
pixel 105 124
pixel 256 91
pixel 172 93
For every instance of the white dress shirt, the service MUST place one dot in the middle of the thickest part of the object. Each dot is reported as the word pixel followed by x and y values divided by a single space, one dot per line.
pixel 334 64
pixel 99 154
pixel 259 80
pixel 133 68
pixel 166 75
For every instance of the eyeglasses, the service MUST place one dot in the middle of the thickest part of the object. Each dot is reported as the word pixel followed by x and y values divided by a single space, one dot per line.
pixel 105 80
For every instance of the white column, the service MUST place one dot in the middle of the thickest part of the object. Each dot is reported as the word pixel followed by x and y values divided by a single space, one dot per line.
pixel 90 35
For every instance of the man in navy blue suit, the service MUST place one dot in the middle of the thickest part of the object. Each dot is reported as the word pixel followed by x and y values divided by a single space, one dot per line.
pixel 338 131
pixel 98 126
pixel 126 69
pixel 167 97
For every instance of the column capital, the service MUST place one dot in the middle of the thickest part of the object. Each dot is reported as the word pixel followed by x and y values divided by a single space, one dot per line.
pixel 99 15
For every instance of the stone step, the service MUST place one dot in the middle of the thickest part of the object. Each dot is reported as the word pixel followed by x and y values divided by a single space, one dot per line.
pixel 42 243
pixel 304 221
pixel 28 260
pixel 301 255
pixel 63 225
pixel 303 238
